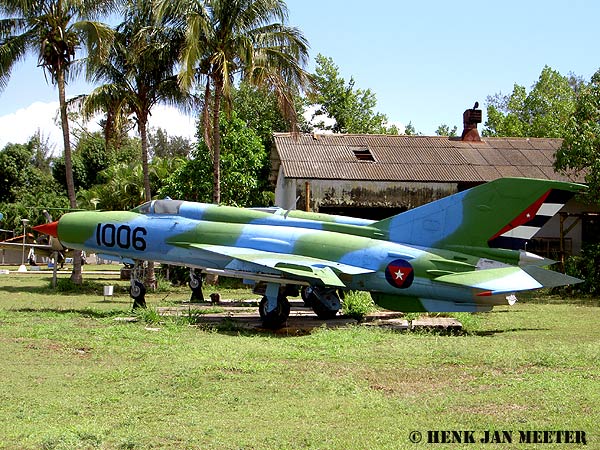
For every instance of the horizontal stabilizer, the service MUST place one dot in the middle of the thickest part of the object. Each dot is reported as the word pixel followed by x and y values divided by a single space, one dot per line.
pixel 550 278
pixel 495 281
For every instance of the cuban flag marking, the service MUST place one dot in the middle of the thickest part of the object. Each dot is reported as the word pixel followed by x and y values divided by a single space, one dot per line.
pixel 399 273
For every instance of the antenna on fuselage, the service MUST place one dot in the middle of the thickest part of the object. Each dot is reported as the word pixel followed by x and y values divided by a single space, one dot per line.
pixel 289 210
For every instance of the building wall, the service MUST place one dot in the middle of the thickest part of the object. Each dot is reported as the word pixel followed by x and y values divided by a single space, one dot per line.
pixel 291 194
pixel 350 197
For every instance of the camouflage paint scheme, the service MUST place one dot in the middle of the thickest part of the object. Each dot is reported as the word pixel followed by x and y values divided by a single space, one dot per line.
pixel 461 253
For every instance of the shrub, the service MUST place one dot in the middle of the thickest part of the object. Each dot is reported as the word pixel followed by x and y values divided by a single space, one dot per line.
pixel 357 304
pixel 585 267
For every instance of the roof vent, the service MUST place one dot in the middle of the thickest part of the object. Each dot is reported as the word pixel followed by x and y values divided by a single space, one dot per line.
pixel 363 153
pixel 471 117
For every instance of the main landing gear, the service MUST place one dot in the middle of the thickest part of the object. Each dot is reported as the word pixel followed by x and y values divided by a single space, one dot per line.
pixel 274 307
pixel 195 285
pixel 137 290
pixel 324 302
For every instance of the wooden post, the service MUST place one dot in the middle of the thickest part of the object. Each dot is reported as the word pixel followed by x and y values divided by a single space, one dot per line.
pixel 562 242
pixel 307 196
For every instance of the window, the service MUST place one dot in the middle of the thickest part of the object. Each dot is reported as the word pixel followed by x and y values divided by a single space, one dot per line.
pixel 363 153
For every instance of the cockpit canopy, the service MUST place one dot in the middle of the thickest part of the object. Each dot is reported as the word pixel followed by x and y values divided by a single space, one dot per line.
pixel 166 206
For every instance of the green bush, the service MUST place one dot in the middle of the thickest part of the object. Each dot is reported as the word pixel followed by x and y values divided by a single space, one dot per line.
pixel 357 304
pixel 585 267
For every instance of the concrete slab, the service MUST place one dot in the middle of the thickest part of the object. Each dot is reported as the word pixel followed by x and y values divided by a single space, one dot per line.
pixel 302 320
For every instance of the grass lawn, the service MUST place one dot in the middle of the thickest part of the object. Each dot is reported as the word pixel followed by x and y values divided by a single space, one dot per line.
pixel 73 377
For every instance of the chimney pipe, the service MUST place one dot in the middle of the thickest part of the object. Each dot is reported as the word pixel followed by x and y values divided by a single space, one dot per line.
pixel 471 117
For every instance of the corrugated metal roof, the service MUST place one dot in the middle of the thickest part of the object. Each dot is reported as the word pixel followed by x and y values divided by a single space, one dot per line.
pixel 414 158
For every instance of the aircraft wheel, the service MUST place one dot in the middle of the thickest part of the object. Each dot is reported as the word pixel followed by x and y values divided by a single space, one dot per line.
pixel 137 293
pixel 276 318
pixel 307 296
pixel 321 310
pixel 195 285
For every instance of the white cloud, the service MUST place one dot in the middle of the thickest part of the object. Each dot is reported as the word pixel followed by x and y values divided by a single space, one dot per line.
pixel 19 126
pixel 315 120
pixel 401 127
pixel 173 121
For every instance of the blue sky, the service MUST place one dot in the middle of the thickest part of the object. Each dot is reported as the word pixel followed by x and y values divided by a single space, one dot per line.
pixel 426 61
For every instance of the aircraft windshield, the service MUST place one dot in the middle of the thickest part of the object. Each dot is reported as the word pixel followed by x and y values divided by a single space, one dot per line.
pixel 144 208
pixel 167 206
pixel 159 207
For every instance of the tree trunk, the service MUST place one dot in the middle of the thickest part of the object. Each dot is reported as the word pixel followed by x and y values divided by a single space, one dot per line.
pixel 142 123
pixel 60 81
pixel 216 138
pixel 206 115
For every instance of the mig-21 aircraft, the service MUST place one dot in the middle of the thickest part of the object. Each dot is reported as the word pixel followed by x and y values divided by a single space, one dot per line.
pixel 465 252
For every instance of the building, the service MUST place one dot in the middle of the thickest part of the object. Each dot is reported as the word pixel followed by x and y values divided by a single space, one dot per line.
pixel 376 176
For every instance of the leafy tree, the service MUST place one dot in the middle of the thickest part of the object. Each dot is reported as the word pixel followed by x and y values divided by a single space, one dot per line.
pixel 259 108
pixel 89 159
pixel 444 130
pixel 164 146
pixel 237 39
pixel 410 130
pixel 42 152
pixel 15 161
pixel 25 188
pixel 242 159
pixel 19 171
pixel 77 168
pixel 543 112
pixel 30 205
pixel 351 108
pixel 162 168
pixel 91 150
pixel 54 30
pixel 580 151
pixel 139 72
pixel 123 189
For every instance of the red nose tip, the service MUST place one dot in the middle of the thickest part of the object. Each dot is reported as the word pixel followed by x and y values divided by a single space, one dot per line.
pixel 48 228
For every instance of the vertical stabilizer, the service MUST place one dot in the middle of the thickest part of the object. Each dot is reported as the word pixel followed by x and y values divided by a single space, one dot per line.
pixel 504 213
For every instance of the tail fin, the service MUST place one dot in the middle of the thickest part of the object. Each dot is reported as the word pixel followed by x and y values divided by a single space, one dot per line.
pixel 504 213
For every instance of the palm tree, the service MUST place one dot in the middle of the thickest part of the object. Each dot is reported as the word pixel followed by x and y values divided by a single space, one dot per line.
pixel 237 39
pixel 55 30
pixel 139 73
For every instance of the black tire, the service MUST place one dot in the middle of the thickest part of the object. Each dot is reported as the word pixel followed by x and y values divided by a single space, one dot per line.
pixel 194 283
pixel 307 296
pixel 275 319
pixel 321 310
pixel 138 292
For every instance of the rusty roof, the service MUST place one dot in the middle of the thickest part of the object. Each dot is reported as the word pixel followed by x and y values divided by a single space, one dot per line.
pixel 414 158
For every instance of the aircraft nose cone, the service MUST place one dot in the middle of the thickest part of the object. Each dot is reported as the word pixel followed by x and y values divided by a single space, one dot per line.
pixel 50 229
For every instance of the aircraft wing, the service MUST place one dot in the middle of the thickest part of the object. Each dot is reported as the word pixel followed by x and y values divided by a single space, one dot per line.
pixel 304 267
pixel 40 248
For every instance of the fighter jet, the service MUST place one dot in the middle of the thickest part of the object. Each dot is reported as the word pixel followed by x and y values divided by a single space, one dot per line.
pixel 465 252
pixel 46 246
